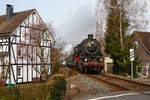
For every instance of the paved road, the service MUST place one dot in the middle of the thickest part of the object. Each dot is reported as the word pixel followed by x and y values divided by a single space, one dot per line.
pixel 123 96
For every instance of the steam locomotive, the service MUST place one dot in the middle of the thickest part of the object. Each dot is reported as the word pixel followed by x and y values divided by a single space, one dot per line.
pixel 86 56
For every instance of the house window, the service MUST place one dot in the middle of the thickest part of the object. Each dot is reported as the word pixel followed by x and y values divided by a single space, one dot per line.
pixel 18 71
pixel 1 47
pixel 136 44
pixel 18 50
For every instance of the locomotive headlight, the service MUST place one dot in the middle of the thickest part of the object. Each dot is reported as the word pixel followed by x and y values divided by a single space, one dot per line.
pixel 101 59
pixel 92 42
pixel 85 59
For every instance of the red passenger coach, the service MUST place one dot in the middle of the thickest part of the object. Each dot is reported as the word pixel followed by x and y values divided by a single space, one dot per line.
pixel 77 58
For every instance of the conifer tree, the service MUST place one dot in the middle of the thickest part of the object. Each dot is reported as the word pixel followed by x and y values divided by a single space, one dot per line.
pixel 117 41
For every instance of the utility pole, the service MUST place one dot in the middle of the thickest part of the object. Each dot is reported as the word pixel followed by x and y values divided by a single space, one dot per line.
pixel 131 69
pixel 121 29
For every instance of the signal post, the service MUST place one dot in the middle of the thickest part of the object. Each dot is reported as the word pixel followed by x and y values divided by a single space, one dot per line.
pixel 131 59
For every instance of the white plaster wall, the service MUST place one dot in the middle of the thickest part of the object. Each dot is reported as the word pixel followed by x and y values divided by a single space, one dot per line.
pixel 24 68
pixel 107 60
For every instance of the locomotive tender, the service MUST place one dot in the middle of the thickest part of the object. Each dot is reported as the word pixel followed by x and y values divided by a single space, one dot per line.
pixel 86 56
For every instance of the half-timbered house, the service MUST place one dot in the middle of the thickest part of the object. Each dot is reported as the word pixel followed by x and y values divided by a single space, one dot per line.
pixel 13 30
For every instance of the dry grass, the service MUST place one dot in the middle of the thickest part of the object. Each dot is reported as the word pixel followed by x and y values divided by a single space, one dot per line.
pixel 25 92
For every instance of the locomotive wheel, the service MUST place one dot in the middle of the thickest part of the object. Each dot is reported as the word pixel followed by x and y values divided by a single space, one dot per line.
pixel 100 70
pixel 81 68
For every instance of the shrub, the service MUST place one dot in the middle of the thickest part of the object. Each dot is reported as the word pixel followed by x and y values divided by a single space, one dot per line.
pixel 55 68
pixel 10 93
pixel 58 87
pixel 25 92
pixel 54 90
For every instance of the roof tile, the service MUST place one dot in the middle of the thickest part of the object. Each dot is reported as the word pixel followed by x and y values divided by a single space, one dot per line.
pixel 17 19
pixel 144 38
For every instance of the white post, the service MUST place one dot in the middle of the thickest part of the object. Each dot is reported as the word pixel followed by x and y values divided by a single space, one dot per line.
pixel 131 69
pixel 142 72
pixel 131 59
pixel 146 70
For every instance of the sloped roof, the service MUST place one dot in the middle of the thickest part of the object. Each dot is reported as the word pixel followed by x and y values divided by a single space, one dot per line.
pixel 8 27
pixel 144 39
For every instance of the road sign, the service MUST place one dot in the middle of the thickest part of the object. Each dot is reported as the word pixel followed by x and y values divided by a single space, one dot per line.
pixel 131 54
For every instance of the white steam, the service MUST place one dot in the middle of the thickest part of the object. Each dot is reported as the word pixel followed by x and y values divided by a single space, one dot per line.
pixel 77 25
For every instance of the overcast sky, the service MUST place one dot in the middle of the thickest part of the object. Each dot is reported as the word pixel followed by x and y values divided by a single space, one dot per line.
pixel 72 19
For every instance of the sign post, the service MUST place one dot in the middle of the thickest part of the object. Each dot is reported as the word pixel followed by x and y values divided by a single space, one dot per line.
pixel 131 59
pixel 131 69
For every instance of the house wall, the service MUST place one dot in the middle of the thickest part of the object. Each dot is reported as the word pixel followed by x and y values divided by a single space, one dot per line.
pixel 22 69
pixel 108 65
pixel 3 44
pixel 142 55
pixel 3 68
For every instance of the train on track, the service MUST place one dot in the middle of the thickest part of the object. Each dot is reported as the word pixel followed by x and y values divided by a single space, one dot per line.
pixel 86 56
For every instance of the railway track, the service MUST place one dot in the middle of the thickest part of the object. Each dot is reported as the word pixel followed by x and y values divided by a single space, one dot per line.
pixel 120 83
pixel 114 87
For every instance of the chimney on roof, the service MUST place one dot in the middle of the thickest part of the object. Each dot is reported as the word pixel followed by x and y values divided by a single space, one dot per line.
pixel 90 36
pixel 9 12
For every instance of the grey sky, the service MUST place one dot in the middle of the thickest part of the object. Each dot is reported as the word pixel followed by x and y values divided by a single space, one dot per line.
pixel 72 19
pixel 55 10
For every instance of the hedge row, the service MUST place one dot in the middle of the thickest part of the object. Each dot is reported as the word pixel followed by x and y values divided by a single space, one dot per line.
pixel 58 87
pixel 53 90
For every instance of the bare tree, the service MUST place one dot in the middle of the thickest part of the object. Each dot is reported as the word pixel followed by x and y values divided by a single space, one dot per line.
pixel 56 54
pixel 5 71
pixel 101 16
pixel 133 9
pixel 56 50
pixel 34 46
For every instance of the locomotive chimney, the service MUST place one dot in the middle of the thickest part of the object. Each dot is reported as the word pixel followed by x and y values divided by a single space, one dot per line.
pixel 90 36
pixel 9 12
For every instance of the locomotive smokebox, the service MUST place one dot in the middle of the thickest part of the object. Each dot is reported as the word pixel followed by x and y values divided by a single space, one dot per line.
pixel 90 36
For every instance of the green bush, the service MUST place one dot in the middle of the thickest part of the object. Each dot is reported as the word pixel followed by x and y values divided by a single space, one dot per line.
pixel 54 90
pixel 58 87
pixel 55 68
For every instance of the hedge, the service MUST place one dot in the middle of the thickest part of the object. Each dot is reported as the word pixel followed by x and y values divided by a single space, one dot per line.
pixel 46 91
pixel 58 87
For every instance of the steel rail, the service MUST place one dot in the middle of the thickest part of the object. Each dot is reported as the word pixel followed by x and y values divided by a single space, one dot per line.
pixel 113 85
pixel 143 85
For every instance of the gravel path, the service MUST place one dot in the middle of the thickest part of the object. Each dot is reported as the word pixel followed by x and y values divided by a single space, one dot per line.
pixel 146 80
pixel 80 86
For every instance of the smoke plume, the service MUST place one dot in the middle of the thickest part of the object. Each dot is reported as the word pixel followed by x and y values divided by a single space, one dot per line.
pixel 77 25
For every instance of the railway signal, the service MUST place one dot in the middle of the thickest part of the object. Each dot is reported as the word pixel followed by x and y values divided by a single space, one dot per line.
pixel 132 59
pixel 131 54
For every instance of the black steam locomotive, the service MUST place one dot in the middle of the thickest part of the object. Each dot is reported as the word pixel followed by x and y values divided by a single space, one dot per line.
pixel 86 56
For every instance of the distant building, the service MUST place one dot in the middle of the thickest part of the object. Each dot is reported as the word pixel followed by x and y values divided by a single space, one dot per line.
pixel 108 64
pixel 142 41
pixel 13 27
